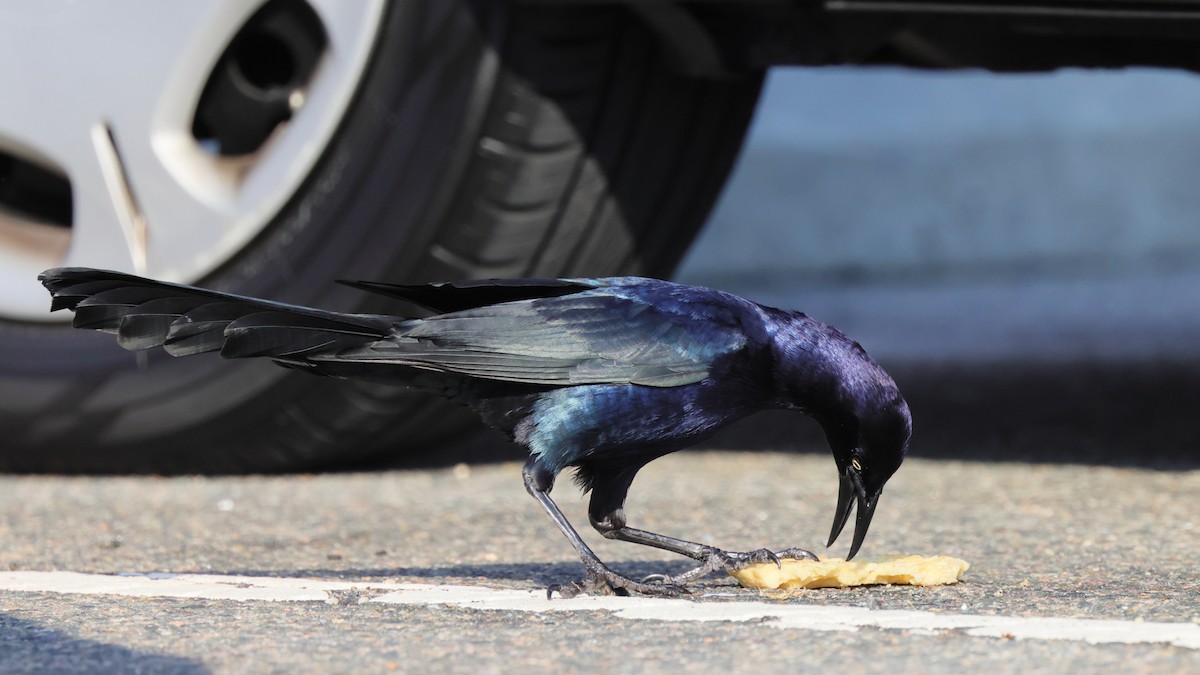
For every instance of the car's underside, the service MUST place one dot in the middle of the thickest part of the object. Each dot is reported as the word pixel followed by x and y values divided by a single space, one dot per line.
pixel 715 36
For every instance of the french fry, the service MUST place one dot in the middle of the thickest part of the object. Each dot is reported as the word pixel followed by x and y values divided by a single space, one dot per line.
pixel 912 570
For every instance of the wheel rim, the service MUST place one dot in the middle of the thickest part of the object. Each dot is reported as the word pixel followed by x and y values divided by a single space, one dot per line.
pixel 120 148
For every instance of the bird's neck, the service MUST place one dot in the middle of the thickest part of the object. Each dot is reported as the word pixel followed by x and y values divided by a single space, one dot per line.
pixel 813 363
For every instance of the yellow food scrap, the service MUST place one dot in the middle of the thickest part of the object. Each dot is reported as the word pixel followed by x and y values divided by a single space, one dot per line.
pixel 912 570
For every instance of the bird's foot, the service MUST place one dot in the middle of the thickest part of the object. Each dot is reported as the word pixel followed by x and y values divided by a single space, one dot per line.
pixel 730 561
pixel 603 581
pixel 796 553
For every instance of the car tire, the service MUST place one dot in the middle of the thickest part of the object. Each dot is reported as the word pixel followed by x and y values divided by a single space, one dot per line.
pixel 484 140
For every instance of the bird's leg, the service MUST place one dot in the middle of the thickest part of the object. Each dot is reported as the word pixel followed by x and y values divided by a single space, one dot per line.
pixel 607 514
pixel 711 558
pixel 599 579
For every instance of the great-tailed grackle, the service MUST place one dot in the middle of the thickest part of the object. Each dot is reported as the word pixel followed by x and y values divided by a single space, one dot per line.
pixel 603 375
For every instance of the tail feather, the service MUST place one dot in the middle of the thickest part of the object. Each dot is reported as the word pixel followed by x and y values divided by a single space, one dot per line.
pixel 143 331
pixel 69 296
pixel 202 329
pixel 103 311
pixel 148 324
pixel 185 320
pixel 61 278
pixel 281 334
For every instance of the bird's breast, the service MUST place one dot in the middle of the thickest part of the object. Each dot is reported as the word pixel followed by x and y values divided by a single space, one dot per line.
pixel 603 422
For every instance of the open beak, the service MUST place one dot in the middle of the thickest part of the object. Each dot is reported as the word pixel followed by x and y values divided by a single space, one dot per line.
pixel 851 486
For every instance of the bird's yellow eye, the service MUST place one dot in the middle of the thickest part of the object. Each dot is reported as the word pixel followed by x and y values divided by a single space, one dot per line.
pixel 854 463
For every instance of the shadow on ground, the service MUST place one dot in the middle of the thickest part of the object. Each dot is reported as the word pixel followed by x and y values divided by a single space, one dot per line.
pixel 1135 414
pixel 31 647
pixel 536 573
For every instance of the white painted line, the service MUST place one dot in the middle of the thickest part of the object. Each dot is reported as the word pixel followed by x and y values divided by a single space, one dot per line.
pixel 205 586
pixel 780 616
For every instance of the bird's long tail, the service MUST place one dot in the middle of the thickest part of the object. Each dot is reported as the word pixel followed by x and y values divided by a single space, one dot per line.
pixel 184 320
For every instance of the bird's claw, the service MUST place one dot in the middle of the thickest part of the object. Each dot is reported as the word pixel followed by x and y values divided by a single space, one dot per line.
pixel 796 553
pixel 604 581
pixel 739 561
pixel 585 586
pixel 730 561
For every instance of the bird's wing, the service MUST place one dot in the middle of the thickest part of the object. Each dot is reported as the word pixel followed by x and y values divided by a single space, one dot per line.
pixel 615 334
pixel 571 331
pixel 455 296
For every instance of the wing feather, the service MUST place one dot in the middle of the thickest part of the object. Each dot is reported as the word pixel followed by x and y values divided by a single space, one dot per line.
pixel 602 336
pixel 453 296
pixel 621 330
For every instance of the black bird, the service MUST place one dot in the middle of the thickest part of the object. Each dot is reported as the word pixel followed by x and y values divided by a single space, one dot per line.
pixel 603 375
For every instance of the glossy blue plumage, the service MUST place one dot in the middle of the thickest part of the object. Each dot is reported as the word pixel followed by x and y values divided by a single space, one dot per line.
pixel 603 375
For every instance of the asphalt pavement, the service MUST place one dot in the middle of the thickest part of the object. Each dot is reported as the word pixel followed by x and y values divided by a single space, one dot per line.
pixel 1067 541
